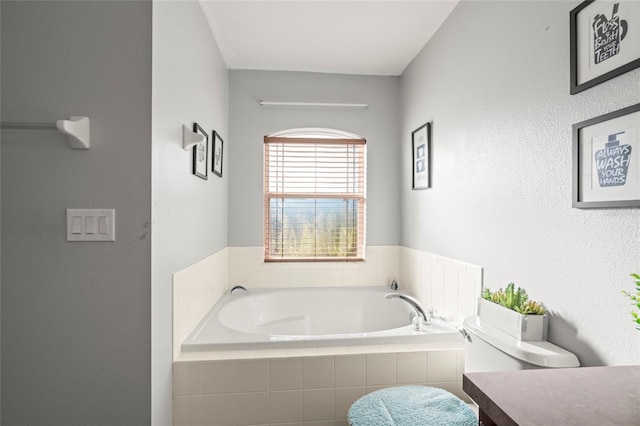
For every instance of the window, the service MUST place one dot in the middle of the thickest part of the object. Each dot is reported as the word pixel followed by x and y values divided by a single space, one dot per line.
pixel 314 196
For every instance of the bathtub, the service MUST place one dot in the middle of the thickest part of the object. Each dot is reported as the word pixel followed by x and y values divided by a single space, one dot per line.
pixel 311 317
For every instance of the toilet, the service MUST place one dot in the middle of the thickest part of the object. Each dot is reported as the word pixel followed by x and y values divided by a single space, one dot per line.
pixel 486 349
pixel 490 349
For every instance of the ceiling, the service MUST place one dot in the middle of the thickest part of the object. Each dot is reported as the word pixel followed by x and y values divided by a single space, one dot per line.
pixel 345 36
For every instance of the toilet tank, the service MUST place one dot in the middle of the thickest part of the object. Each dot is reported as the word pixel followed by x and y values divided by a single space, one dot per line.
pixel 490 349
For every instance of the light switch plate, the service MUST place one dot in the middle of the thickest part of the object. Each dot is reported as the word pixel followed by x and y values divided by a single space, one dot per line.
pixel 91 225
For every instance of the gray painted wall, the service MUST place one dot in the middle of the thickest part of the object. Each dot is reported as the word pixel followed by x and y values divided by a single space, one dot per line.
pixel 76 333
pixel 249 123
pixel 495 83
pixel 190 83
pixel 0 232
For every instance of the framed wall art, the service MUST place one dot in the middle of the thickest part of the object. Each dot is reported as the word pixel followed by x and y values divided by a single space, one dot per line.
pixel 604 41
pixel 200 154
pixel 216 155
pixel 606 160
pixel 421 157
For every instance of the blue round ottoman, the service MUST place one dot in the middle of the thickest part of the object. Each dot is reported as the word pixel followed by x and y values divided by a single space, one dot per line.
pixel 411 406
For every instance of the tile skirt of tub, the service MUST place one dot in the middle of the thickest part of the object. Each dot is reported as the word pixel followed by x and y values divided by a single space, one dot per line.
pixel 303 390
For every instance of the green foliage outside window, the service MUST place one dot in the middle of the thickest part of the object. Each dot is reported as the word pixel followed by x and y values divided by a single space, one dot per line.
pixel 304 235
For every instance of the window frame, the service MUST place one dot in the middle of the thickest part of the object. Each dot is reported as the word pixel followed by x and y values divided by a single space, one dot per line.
pixel 316 137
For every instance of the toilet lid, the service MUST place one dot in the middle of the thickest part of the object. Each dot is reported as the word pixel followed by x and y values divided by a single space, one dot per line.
pixel 542 354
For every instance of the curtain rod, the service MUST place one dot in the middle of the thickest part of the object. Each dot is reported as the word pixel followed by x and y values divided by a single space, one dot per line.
pixel 313 104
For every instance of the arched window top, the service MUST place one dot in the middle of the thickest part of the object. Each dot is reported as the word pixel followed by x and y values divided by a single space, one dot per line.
pixel 315 132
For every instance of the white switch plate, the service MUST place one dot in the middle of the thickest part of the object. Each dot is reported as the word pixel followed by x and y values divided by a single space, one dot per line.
pixel 91 225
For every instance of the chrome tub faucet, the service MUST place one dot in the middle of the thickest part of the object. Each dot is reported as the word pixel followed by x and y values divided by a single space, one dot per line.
pixel 422 316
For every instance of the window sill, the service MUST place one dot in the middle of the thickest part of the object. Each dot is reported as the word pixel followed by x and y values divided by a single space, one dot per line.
pixel 315 260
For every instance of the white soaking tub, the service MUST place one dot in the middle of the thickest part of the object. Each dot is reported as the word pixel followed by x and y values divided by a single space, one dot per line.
pixel 311 317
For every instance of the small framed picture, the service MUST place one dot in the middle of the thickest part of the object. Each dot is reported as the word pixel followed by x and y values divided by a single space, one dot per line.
pixel 216 155
pixel 200 154
pixel 604 41
pixel 421 157
pixel 606 160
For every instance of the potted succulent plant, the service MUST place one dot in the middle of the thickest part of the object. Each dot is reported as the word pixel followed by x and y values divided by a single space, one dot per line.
pixel 511 311
pixel 635 299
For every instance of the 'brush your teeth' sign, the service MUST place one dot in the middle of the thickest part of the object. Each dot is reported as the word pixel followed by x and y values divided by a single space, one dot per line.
pixel 604 41
pixel 608 35
pixel 612 161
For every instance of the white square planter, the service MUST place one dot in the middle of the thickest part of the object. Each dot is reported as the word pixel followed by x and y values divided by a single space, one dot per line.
pixel 522 327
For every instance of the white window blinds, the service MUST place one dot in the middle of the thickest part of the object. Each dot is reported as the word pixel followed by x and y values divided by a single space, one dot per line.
pixel 314 199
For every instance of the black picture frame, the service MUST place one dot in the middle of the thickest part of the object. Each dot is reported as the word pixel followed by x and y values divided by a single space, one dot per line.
pixel 606 160
pixel 217 153
pixel 421 157
pixel 200 154
pixel 589 52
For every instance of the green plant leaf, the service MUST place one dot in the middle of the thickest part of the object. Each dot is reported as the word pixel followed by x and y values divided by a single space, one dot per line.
pixel 635 299
pixel 514 299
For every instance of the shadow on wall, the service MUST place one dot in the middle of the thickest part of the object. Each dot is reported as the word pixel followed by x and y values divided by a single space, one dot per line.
pixel 565 334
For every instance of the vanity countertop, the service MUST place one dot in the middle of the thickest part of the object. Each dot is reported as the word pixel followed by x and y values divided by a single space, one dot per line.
pixel 557 396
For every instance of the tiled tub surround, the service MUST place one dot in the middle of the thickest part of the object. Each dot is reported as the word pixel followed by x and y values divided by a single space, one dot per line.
pixel 452 287
pixel 304 386
pixel 195 290
pixel 312 386
pixel 247 267
pixel 448 285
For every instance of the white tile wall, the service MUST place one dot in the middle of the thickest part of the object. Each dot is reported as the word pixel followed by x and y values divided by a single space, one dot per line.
pixel 311 390
pixel 252 375
pixel 343 398
pixel 285 406
pixel 412 368
pixel 381 369
pixel 252 408
pixel 247 267
pixel 349 370
pixel 318 372
pixel 219 409
pixel 187 410
pixel 285 374
pixel 450 286
pixel 317 404
pixel 195 290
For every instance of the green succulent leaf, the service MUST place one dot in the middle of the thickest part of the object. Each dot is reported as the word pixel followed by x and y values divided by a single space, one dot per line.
pixel 514 299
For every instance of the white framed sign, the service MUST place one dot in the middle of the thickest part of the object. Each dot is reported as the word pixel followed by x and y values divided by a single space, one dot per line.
pixel 604 41
pixel 421 157
pixel 606 160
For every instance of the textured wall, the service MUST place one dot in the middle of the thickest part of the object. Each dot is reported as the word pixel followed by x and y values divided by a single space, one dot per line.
pixel 76 316
pixel 190 83
pixel 495 83
pixel 249 123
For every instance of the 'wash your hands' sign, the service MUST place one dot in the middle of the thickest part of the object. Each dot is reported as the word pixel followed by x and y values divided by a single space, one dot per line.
pixel 612 162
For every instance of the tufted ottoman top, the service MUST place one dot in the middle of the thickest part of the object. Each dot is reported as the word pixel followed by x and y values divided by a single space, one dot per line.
pixel 411 406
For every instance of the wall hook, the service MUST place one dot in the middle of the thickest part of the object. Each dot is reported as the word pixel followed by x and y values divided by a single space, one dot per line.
pixel 78 130
pixel 190 138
